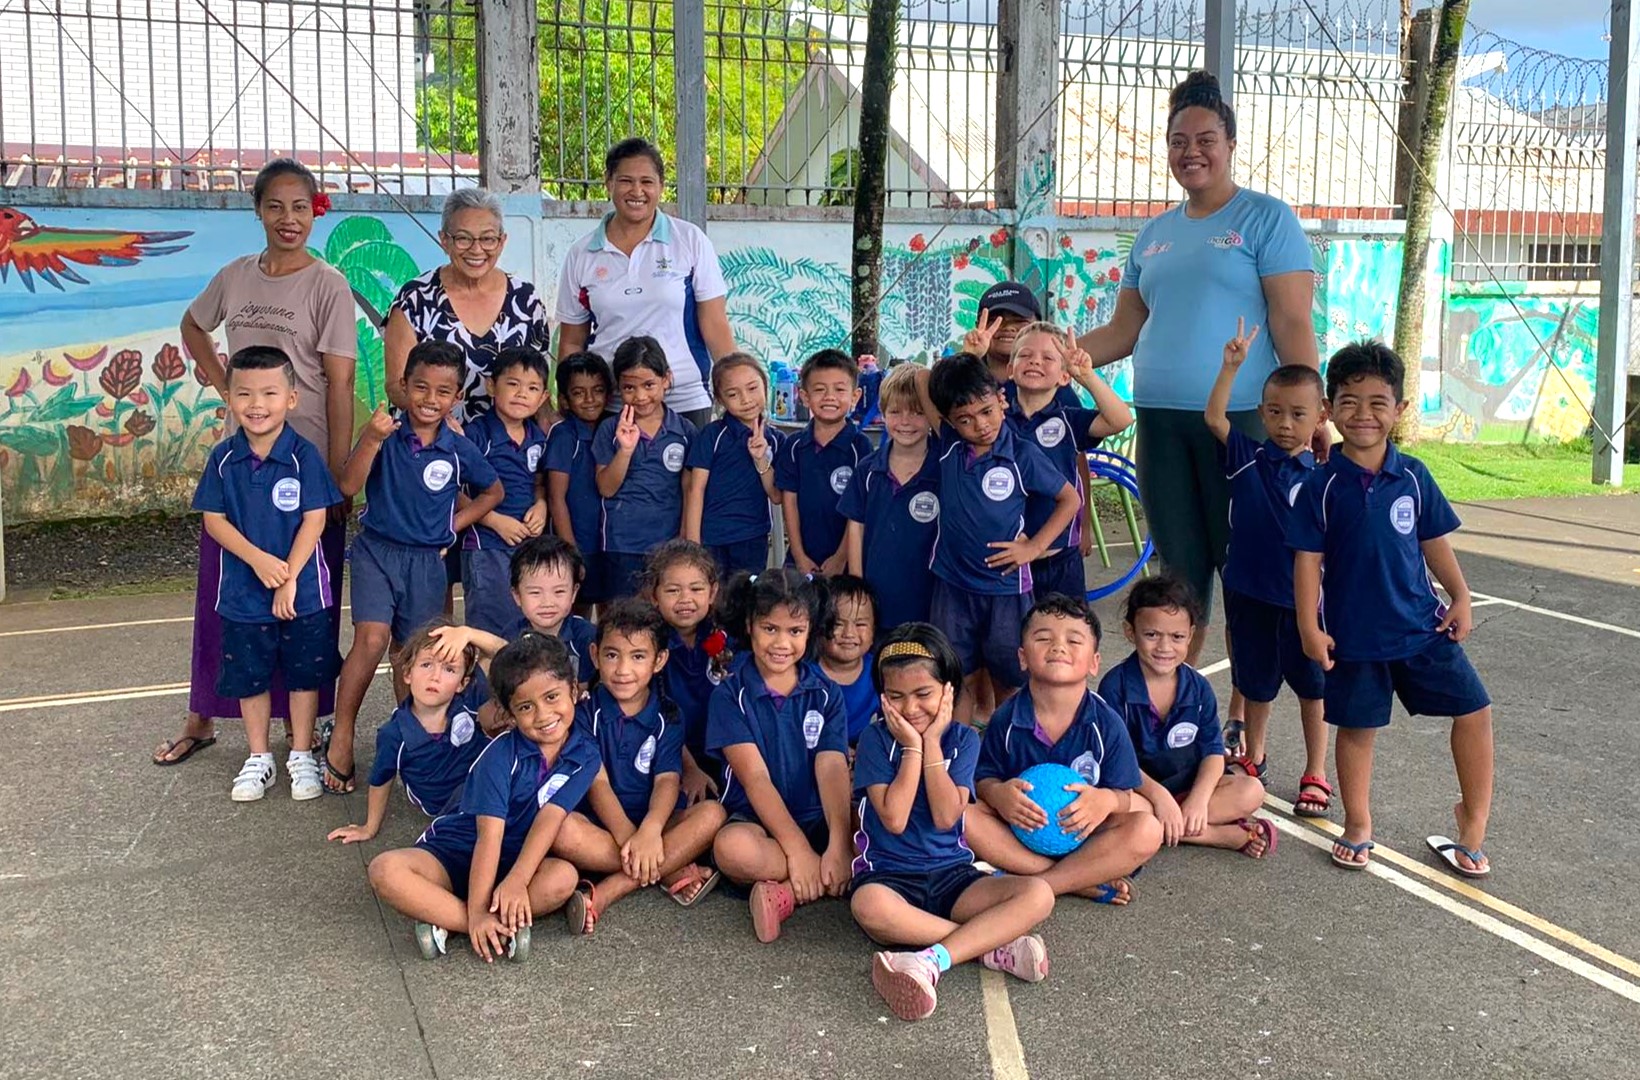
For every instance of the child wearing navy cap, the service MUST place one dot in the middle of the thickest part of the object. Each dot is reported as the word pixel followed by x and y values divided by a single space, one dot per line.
pixel 781 726
pixel 813 468
pixel 893 505
pixel 410 467
pixel 640 456
pixel 1261 625
pixel 1045 360
pixel 264 493
pixel 1172 719
pixel 513 443
pixel 1004 309
pixel 729 491
pixel 845 653
pixel 435 734
pixel 633 831
pixel 682 579
pixel 1373 523
pixel 983 553
pixel 482 869
pixel 915 882
pixel 1058 719
pixel 585 385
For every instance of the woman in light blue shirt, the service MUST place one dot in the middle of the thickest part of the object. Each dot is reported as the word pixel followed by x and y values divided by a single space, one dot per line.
pixel 1223 253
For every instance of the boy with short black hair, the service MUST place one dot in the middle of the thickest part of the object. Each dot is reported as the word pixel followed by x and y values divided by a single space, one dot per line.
pixel 585 386
pixel 411 467
pixel 264 493
pixel 813 469
pixel 513 443
pixel 1374 522
pixel 982 557
pixel 1058 719
pixel 1265 647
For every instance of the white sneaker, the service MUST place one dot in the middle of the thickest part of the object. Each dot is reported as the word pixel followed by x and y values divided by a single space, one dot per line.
pixel 254 779
pixel 304 775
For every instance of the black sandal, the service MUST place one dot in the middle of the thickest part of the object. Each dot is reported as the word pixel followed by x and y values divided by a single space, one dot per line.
pixel 345 780
pixel 197 742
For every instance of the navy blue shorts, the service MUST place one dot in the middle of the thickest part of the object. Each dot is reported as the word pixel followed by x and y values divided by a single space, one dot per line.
pixel 486 590
pixel 624 573
pixel 459 865
pixel 1062 573
pixel 1440 681
pixel 302 649
pixel 595 585
pixel 935 892
pixel 752 555
pixel 452 565
pixel 1266 650
pixel 984 630
pixel 396 584
pixel 817 832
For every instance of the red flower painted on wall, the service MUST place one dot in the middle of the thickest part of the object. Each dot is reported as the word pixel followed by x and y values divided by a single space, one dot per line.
pixel 168 365
pixel 139 423
pixel 960 262
pixel 1066 242
pixel 19 386
pixel 1116 273
pixel 86 363
pixel 56 372
pixel 122 375
pixel 83 443
pixel 1000 237
pixel 199 373
pixel 918 245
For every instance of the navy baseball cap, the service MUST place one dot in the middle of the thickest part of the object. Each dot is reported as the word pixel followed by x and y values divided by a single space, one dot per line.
pixel 1011 298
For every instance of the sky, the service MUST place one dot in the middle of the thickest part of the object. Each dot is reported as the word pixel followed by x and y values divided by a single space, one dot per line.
pixel 1572 27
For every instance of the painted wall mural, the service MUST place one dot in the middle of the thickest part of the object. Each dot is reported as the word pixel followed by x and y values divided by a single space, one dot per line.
pixel 102 412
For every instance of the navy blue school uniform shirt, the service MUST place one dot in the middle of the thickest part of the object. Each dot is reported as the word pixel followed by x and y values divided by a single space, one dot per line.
pixel 1264 484
pixel 432 767
pixel 736 507
pixel 265 498
pixel 1060 431
pixel 859 699
pixel 901 521
pixel 1171 747
pixel 511 780
pixel 410 495
pixel 690 680
pixel 789 733
pixel 580 637
pixel 1377 599
pixel 983 500
pixel 635 749
pixel 819 475
pixel 569 451
pixel 648 508
pixel 1096 744
pixel 514 463
pixel 922 848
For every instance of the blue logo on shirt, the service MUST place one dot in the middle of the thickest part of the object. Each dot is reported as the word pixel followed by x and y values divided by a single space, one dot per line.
pixel 1087 766
pixel 813 721
pixel 1181 736
pixel 925 507
pixel 840 477
pixel 998 483
pixel 1051 433
pixel 550 788
pixel 646 756
pixel 287 494
pixel 1403 514
pixel 461 729
pixel 437 474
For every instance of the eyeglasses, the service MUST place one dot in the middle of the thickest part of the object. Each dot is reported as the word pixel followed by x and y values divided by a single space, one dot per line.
pixel 465 241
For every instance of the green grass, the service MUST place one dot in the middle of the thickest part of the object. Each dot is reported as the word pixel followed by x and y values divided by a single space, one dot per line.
pixel 1470 471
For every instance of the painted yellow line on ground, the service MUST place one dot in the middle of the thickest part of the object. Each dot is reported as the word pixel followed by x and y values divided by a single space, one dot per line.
pixel 1534 609
pixel 1469 892
pixel 92 697
pixel 1215 667
pixel 1492 925
pixel 1001 1036
pixel 122 625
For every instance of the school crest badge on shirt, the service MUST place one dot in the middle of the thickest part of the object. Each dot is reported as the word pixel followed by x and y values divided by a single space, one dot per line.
pixel 1181 736
pixel 646 756
pixel 998 483
pixel 287 494
pixel 532 457
pixel 461 729
pixel 672 457
pixel 840 477
pixel 437 474
pixel 544 794
pixel 1052 432
pixel 925 507
pixel 1087 767
pixel 1403 514
pixel 813 722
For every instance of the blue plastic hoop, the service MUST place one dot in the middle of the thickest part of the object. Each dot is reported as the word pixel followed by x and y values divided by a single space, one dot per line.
pixel 1111 466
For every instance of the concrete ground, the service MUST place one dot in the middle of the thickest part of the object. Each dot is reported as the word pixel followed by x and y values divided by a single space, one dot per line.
pixel 149 927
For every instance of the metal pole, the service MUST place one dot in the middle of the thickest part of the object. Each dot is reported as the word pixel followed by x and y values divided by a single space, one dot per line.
pixel 1616 245
pixel 509 98
pixel 689 75
pixel 1221 45
pixel 1028 72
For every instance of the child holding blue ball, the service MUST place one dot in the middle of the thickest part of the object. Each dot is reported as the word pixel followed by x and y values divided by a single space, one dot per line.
pixel 914 877
pixel 1059 720
pixel 1172 718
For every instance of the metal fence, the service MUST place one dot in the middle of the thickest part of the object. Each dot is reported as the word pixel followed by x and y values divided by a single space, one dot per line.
pixel 198 94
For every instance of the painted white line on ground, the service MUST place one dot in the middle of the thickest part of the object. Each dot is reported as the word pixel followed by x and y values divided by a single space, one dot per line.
pixel 1001 1036
pixel 1215 667
pixel 1580 620
pixel 1494 926
pixel 1483 603
pixel 92 697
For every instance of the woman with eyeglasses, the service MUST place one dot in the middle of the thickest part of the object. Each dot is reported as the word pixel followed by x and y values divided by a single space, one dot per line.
pixel 469 301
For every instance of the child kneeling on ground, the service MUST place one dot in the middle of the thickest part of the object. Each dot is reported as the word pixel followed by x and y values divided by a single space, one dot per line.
pixel 481 869
pixel 915 882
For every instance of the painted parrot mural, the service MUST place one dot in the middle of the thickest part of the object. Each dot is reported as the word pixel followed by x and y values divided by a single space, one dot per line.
pixel 33 249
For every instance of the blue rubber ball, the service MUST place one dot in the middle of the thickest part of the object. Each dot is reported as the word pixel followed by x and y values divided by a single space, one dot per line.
pixel 1048 791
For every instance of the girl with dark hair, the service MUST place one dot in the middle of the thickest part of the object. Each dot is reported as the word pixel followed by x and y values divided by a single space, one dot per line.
pixel 284 297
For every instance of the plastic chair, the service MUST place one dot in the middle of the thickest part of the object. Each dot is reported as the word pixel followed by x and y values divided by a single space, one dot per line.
pixel 1121 443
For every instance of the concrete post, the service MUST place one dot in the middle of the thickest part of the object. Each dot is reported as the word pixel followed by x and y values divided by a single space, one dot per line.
pixel 1221 45
pixel 509 97
pixel 1616 245
pixel 1029 70
pixel 689 76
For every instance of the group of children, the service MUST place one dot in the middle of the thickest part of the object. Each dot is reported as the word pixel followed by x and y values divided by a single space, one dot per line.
pixel 810 730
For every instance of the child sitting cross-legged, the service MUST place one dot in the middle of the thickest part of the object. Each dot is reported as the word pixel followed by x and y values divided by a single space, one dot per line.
pixel 435 734
pixel 1172 719
pixel 633 831
pixel 481 869
pixel 915 882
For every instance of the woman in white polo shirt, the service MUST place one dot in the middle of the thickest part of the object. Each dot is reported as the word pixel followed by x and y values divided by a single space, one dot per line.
pixel 644 272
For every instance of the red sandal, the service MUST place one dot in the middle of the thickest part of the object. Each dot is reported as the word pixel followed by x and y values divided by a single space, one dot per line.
pixel 1309 805
pixel 1258 829
pixel 581 910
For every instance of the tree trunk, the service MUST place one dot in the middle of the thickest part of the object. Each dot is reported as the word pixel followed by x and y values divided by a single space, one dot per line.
pixel 1409 313
pixel 871 187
